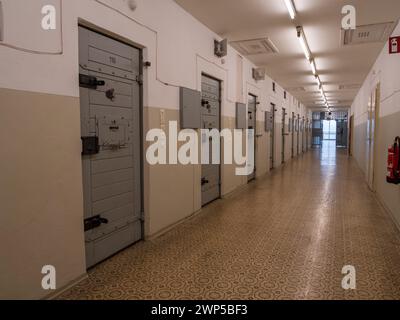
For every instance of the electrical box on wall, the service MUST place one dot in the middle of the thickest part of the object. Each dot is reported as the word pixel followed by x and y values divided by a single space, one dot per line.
pixel 241 116
pixel 221 48
pixel 259 74
pixel 190 108
pixel 268 121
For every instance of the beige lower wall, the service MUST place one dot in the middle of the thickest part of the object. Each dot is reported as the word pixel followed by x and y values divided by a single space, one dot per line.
pixel 41 217
pixel 170 191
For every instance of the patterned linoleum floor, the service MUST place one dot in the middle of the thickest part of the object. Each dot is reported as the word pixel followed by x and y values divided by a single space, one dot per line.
pixel 286 236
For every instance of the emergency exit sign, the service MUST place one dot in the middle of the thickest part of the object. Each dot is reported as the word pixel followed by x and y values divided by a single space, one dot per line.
pixel 394 45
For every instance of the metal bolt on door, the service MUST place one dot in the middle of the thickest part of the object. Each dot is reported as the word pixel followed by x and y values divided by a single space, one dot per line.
pixel 110 128
pixel 210 119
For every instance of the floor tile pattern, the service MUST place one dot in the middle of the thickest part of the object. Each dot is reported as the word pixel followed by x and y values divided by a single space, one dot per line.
pixel 286 236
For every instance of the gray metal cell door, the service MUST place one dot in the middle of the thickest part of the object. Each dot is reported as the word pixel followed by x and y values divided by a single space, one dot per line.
pixel 210 119
pixel 111 147
pixel 283 134
pixel 298 134
pixel 251 123
pixel 272 137
pixel 303 131
pixel 341 133
pixel 293 131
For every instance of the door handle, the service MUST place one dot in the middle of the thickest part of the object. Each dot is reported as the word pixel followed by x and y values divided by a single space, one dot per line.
pixel 204 181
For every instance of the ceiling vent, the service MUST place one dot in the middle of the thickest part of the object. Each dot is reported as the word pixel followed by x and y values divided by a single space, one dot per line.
pixel 349 86
pixel 255 46
pixel 370 33
pixel 296 89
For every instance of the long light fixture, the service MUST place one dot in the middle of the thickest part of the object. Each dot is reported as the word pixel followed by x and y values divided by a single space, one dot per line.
pixel 307 52
pixel 303 42
pixel 313 67
pixel 291 8
pixel 318 81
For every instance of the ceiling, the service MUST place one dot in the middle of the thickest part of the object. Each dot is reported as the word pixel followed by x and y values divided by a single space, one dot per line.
pixel 337 65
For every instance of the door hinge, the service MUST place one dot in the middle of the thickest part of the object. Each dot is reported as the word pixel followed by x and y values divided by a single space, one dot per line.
pixel 139 79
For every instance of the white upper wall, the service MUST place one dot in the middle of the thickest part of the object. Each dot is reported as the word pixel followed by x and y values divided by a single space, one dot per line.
pixel 385 71
pixel 178 46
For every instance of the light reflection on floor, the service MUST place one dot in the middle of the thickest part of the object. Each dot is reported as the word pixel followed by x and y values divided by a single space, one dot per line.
pixel 328 153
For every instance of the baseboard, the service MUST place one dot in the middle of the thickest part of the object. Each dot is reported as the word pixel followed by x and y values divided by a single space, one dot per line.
pixel 235 191
pixel 171 227
pixel 67 287
pixel 378 197
pixel 386 209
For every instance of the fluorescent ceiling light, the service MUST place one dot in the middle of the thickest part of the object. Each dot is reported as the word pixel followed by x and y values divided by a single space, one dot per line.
pixel 313 67
pixel 319 82
pixel 303 43
pixel 291 8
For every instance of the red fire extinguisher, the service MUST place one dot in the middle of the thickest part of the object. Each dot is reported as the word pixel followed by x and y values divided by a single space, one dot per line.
pixel 394 163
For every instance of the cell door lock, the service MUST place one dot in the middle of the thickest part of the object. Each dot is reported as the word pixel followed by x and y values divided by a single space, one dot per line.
pixel 94 222
pixel 205 103
pixel 90 82
pixel 110 94
pixel 90 146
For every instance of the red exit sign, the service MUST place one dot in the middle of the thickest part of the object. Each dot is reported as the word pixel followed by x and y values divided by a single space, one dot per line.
pixel 394 45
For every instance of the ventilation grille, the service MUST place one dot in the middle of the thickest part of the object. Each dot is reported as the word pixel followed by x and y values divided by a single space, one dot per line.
pixel 255 46
pixel 296 89
pixel 349 86
pixel 368 34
